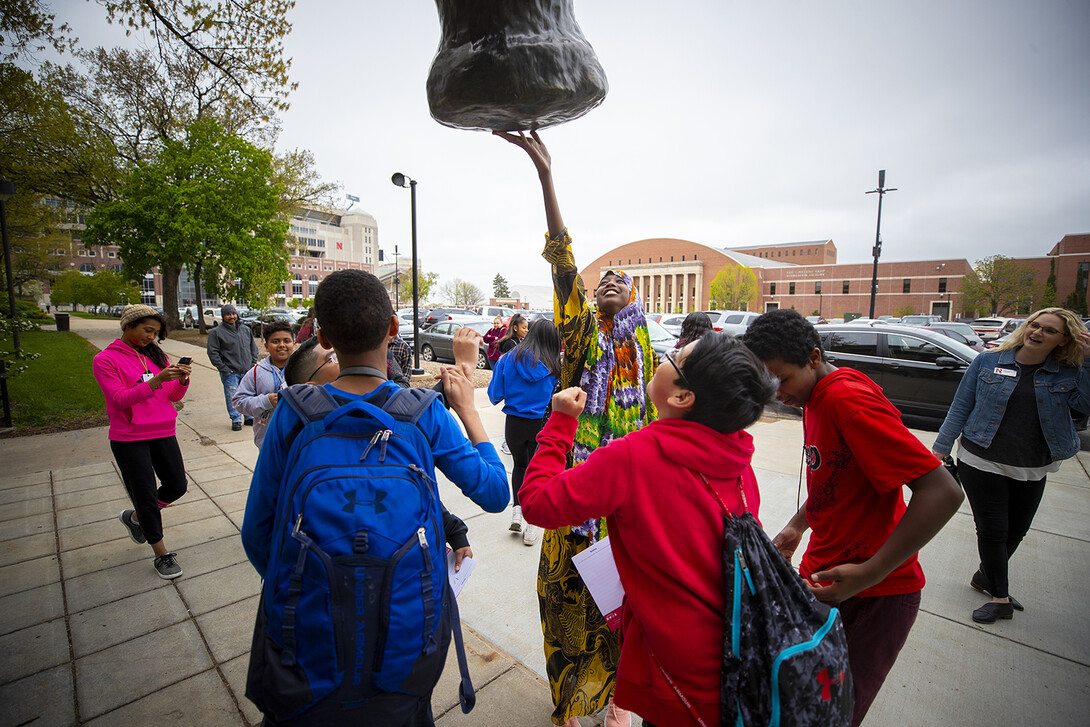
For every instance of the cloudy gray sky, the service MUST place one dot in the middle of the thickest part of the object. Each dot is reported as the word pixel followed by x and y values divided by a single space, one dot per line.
pixel 727 123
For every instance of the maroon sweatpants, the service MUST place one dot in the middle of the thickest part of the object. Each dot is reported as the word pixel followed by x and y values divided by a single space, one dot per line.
pixel 876 629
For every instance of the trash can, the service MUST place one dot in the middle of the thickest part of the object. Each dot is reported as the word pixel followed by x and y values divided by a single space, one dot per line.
pixel 62 321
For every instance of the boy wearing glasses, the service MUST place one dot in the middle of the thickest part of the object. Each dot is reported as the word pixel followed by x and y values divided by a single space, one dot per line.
pixel 665 527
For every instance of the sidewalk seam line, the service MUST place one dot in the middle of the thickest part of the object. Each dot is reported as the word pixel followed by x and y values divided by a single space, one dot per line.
pixel 64 600
pixel 1013 642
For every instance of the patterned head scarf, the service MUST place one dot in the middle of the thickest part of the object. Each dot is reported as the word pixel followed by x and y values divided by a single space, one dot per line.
pixel 619 364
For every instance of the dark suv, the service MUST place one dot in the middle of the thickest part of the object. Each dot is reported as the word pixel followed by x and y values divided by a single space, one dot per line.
pixel 919 370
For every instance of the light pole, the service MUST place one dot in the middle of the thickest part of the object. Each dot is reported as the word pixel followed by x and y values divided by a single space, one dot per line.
pixel 397 281
pixel 7 189
pixel 878 235
pixel 400 180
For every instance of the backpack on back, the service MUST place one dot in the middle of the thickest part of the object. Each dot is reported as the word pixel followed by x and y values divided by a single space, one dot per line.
pixel 356 601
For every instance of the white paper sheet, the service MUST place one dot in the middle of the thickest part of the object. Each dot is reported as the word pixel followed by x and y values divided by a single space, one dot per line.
pixel 599 572
pixel 458 580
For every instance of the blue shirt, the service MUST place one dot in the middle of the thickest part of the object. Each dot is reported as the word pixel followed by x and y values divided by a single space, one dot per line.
pixel 477 471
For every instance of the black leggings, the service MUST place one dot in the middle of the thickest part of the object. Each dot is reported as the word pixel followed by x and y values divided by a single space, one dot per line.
pixel 140 462
pixel 521 436
pixel 1003 510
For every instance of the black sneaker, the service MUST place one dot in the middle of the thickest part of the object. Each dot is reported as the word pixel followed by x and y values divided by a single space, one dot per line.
pixel 167 566
pixel 236 426
pixel 135 531
pixel 248 421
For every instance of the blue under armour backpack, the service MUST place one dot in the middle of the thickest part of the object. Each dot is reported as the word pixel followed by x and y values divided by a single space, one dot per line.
pixel 356 601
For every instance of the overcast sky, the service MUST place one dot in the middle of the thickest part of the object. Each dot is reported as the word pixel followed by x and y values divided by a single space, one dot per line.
pixel 727 123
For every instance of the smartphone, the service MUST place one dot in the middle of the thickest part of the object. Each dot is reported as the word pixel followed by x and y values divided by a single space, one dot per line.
pixel 185 360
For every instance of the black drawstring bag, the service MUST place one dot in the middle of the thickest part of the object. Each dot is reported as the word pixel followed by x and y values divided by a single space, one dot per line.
pixel 785 655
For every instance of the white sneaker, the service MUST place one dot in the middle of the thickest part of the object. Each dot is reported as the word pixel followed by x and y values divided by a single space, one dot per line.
pixel 516 519
pixel 504 448
pixel 529 535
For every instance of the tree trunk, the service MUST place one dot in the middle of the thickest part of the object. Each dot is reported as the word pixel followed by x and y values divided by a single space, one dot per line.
pixel 169 274
pixel 200 304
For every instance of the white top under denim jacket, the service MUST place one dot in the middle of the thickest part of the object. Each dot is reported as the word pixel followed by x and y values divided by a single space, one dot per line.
pixel 252 395
pixel 981 400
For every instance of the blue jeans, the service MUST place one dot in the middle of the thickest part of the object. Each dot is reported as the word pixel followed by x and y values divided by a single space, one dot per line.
pixel 230 383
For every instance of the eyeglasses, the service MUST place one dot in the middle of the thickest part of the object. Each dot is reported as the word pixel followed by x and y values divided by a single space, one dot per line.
pixel 1035 326
pixel 684 380
pixel 332 358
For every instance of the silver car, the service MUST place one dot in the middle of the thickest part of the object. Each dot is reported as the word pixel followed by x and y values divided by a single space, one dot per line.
pixel 437 343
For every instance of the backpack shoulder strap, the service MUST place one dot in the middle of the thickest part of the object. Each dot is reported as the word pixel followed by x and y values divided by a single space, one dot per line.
pixel 312 403
pixel 408 405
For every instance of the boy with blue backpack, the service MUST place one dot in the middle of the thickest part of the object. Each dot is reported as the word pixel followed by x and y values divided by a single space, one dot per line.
pixel 344 523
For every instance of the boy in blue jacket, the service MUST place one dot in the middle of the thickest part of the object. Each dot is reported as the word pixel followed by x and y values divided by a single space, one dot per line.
pixel 356 320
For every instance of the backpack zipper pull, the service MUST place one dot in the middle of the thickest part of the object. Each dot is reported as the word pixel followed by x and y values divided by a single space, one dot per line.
pixel 372 443
pixel 382 451
pixel 298 523
pixel 423 538
pixel 745 569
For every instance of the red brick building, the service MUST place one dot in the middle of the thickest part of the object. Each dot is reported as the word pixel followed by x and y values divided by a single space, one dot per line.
pixel 675 275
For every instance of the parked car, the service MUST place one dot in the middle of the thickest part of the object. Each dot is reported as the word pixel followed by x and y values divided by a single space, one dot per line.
pixel 921 320
pixel 661 339
pixel 188 314
pixel 257 324
pixel 491 311
pixel 437 342
pixel 734 322
pixel 816 319
pixel 960 332
pixel 989 328
pixel 890 319
pixel 671 322
pixel 435 315
pixel 537 315
pixel 918 369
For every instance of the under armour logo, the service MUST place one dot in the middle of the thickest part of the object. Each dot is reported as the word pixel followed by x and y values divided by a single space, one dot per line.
pixel 813 456
pixel 351 497
pixel 827 684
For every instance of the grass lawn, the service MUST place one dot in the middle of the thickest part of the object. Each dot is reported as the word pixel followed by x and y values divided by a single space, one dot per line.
pixel 57 391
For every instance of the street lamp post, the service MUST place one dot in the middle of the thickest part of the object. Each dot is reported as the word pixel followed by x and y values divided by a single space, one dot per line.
pixel 7 189
pixel 397 281
pixel 400 180
pixel 878 235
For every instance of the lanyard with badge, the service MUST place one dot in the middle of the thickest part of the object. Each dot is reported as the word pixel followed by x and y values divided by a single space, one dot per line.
pixel 148 376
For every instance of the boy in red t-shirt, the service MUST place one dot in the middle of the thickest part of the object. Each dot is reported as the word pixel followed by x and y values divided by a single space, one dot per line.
pixel 862 551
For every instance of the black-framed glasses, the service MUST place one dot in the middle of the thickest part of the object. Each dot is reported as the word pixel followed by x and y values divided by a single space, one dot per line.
pixel 331 358
pixel 673 363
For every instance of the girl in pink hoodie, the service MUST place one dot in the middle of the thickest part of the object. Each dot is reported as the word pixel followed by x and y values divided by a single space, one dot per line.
pixel 140 386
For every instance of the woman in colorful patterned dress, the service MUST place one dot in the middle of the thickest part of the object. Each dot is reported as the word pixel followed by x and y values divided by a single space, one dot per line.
pixel 608 354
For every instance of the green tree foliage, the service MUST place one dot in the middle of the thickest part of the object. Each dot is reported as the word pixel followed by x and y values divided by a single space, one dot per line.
pixel 461 292
pixel 35 235
pixel 1048 300
pixel 499 287
pixel 48 147
pixel 734 288
pixel 104 287
pixel 1076 299
pixel 27 27
pixel 205 202
pixel 904 310
pixel 998 285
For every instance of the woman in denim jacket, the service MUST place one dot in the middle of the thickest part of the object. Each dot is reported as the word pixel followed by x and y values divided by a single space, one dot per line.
pixel 1013 414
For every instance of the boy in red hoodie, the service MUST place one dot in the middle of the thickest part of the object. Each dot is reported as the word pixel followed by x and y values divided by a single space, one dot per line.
pixel 864 540
pixel 665 528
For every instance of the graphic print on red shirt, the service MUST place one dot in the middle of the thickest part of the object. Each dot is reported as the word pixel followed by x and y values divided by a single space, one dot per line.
pixel 858 456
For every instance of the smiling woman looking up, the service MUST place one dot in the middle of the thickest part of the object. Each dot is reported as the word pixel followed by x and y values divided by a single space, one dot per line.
pixel 1012 419
pixel 608 353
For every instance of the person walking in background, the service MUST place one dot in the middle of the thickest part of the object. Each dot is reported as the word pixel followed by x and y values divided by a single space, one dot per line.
pixel 259 389
pixel 1012 418
pixel 695 325
pixel 517 329
pixel 307 329
pixel 402 354
pixel 140 386
pixel 492 337
pixel 232 350
pixel 524 380
pixel 608 353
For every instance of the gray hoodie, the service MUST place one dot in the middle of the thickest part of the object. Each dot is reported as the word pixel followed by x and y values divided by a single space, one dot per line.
pixel 252 396
pixel 232 348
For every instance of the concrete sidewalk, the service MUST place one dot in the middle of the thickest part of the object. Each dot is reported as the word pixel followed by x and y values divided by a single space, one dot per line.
pixel 91 635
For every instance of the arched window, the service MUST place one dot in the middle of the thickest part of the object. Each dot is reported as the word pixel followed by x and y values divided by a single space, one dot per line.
pixel 312 285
